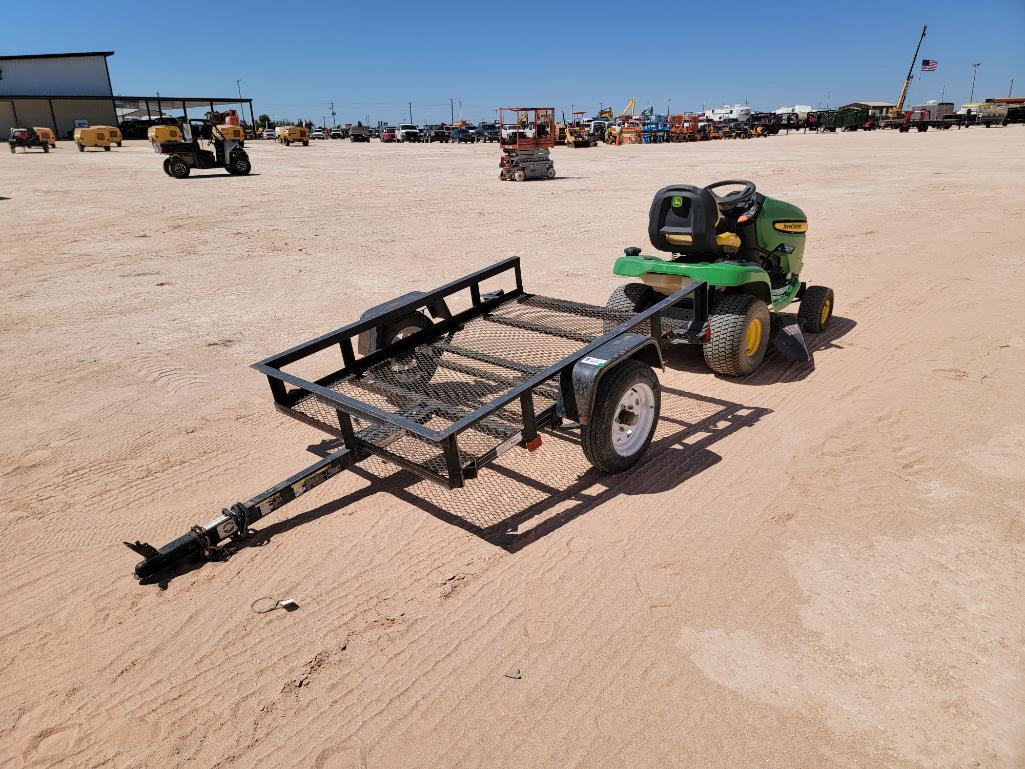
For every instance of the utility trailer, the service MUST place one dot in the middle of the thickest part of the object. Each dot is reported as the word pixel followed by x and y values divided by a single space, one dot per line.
pixel 442 383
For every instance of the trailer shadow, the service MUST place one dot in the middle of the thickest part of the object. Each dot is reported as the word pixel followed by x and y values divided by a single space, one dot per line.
pixel 775 369
pixel 524 496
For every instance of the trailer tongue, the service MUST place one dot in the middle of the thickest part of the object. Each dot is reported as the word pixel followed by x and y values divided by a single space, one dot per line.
pixel 444 382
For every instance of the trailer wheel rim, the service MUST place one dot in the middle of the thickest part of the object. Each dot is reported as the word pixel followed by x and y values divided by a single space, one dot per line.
pixel 409 362
pixel 753 338
pixel 635 415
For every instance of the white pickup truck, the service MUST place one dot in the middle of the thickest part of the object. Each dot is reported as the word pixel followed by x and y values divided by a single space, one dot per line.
pixel 407 133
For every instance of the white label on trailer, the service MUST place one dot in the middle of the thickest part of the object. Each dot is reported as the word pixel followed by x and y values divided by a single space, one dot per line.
pixel 594 361
pixel 508 443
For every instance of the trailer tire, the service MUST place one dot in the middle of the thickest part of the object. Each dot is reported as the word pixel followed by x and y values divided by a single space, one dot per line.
pixel 416 369
pixel 816 309
pixel 551 172
pixel 738 335
pixel 80 147
pixel 519 175
pixel 46 147
pixel 626 410
pixel 166 169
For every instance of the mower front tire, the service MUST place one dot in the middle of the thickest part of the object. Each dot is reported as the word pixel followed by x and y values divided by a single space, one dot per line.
pixel 627 404
pixel 628 298
pixel 816 309
pixel 738 335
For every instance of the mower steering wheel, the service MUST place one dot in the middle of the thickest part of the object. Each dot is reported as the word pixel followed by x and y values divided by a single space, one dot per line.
pixel 736 199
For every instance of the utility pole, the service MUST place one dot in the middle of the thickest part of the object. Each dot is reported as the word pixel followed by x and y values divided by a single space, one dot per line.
pixel 1010 89
pixel 241 109
pixel 410 112
pixel 668 102
pixel 975 69
pixel 943 90
pixel 334 119
pixel 451 111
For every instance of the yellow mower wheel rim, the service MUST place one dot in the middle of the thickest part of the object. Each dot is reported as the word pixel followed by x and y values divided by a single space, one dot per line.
pixel 827 306
pixel 753 337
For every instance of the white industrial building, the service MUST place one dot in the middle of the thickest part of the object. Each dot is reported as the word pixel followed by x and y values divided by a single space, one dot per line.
pixel 65 90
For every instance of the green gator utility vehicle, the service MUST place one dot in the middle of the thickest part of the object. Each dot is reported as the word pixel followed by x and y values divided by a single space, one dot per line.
pixel 749 250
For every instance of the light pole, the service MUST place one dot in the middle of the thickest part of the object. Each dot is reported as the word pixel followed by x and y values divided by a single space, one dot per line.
pixel 241 109
pixel 410 112
pixel 975 69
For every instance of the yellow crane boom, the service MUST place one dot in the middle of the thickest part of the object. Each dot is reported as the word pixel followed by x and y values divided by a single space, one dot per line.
pixel 899 110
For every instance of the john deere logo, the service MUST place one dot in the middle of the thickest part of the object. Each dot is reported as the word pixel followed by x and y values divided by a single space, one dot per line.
pixel 797 227
pixel 677 201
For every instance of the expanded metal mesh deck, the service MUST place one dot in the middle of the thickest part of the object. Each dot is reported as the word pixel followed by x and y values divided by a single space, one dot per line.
pixel 439 382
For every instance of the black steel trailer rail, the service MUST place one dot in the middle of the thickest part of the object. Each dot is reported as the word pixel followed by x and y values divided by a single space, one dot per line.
pixel 488 399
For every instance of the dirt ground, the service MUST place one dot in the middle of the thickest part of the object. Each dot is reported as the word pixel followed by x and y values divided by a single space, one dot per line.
pixel 819 565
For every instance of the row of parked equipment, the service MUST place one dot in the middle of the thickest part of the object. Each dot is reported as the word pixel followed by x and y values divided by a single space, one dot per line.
pixel 41 137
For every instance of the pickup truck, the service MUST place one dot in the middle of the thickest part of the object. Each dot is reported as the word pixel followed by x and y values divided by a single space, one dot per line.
pixel 359 133
pixel 435 133
pixel 407 133
pixel 389 134
pixel 487 132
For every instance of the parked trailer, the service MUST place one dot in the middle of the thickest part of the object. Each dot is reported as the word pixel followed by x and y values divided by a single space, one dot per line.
pixel 442 383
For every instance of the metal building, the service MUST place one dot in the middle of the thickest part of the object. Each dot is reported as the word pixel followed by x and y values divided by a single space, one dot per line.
pixel 55 90
pixel 65 90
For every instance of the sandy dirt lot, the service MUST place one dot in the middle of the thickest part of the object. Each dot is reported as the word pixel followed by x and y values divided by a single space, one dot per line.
pixel 820 565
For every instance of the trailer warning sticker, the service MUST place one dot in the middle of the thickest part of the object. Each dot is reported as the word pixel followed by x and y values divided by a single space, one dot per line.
pixel 594 361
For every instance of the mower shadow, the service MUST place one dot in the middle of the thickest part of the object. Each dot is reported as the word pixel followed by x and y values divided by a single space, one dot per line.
pixel 190 177
pixel 523 497
pixel 775 368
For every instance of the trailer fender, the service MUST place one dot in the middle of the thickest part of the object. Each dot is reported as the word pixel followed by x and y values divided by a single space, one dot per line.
pixel 577 387
pixel 366 342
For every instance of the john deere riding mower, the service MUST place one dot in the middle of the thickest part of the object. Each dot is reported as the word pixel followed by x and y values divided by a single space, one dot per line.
pixel 749 250
pixel 183 155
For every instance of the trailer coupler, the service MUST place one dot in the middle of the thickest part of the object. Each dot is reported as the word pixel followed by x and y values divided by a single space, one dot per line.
pixel 204 540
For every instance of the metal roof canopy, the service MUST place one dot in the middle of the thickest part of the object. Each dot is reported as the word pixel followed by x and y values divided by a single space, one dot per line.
pixel 58 55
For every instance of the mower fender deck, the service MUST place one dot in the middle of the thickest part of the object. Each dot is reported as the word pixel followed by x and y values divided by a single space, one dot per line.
pixel 723 273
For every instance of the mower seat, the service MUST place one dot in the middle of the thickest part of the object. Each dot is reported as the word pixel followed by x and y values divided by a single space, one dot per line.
pixel 684 219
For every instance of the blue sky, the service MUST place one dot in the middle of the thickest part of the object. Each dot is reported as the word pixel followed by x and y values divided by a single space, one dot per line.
pixel 294 57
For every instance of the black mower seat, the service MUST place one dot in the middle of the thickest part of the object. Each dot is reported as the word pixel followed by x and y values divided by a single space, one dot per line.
pixel 683 220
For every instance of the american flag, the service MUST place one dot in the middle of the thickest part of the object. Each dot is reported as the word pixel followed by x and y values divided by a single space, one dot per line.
pixel 929 65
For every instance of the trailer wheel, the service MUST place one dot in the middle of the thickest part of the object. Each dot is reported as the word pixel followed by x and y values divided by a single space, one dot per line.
pixel 46 147
pixel 306 144
pixel 551 172
pixel 107 148
pixel 167 169
pixel 179 168
pixel 816 309
pixel 519 175
pixel 626 410
pixel 739 335
pixel 80 147
pixel 12 149
pixel 416 368
pixel 923 128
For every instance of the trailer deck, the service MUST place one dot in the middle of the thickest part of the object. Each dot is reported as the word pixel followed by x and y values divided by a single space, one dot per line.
pixel 480 366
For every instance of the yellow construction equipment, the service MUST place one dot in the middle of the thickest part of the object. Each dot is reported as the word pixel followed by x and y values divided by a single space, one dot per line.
pixel 898 111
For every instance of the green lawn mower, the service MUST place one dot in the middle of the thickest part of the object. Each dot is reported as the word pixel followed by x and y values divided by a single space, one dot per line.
pixel 749 250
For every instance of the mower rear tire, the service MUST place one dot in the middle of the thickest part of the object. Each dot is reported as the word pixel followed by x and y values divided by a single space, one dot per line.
pixel 627 404
pixel 816 309
pixel 629 298
pixel 739 335
pixel 179 168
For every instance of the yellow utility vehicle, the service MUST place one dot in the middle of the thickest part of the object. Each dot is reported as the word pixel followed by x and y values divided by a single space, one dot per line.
pixel 164 133
pixel 46 135
pixel 92 137
pixel 293 134
pixel 114 133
